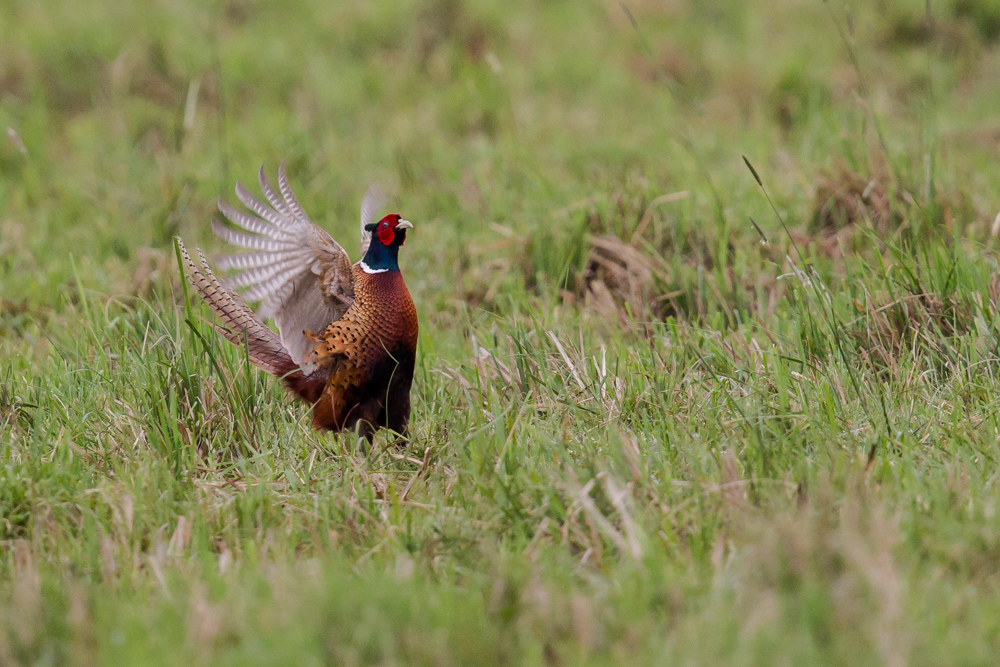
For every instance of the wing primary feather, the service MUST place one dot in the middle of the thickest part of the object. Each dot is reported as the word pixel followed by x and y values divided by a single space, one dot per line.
pixel 248 260
pixel 269 285
pixel 262 209
pixel 255 277
pixel 261 274
pixel 290 198
pixel 252 224
pixel 250 241
pixel 272 197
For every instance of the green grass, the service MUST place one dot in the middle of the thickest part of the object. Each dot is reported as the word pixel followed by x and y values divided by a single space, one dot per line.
pixel 639 436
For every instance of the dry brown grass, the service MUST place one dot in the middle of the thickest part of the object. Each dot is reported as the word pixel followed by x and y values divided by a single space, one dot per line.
pixel 845 199
pixel 622 281
pixel 889 329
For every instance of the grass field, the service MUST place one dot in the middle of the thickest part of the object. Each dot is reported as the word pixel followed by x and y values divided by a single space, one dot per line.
pixel 646 429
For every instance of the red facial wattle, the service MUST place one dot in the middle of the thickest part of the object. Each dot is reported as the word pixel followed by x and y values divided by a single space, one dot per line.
pixel 386 234
pixel 390 227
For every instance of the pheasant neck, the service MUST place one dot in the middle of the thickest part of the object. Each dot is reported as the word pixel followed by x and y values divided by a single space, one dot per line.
pixel 380 258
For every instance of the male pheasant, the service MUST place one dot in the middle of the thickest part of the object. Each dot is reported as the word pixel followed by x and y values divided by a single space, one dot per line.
pixel 347 335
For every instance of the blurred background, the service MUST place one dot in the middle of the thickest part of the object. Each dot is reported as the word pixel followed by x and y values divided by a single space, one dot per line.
pixel 513 134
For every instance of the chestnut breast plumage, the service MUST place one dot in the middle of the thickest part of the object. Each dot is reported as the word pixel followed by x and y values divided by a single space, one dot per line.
pixel 384 306
pixel 381 320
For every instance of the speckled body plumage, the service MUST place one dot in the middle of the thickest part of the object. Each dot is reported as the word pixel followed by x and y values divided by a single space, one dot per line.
pixel 368 358
pixel 347 335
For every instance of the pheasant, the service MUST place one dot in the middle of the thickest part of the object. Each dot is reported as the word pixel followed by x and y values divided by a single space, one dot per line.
pixel 347 335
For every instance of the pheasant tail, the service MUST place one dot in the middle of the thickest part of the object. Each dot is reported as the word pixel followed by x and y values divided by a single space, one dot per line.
pixel 240 326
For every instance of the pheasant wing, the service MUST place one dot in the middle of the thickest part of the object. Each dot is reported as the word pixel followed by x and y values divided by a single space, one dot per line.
pixel 299 274
pixel 370 205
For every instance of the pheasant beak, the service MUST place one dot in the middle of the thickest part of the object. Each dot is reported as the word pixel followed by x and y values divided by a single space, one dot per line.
pixel 404 224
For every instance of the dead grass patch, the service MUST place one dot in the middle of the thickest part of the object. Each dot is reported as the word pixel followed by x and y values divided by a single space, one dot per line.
pixel 846 199
pixel 621 280
pixel 631 258
pixel 889 329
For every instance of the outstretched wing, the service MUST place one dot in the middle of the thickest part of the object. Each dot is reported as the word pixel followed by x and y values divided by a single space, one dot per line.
pixel 370 205
pixel 299 274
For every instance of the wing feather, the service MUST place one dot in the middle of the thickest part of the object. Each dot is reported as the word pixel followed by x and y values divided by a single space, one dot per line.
pixel 290 198
pixel 259 207
pixel 272 197
pixel 302 278
pixel 251 260
pixel 233 237
pixel 370 205
pixel 268 285
pixel 261 275
pixel 255 225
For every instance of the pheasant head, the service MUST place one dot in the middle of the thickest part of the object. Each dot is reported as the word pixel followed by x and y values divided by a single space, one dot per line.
pixel 388 234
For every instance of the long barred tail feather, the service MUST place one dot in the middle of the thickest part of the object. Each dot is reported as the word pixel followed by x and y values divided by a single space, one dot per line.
pixel 241 327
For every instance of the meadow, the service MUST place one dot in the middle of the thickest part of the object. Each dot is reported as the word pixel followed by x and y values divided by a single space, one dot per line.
pixel 709 351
